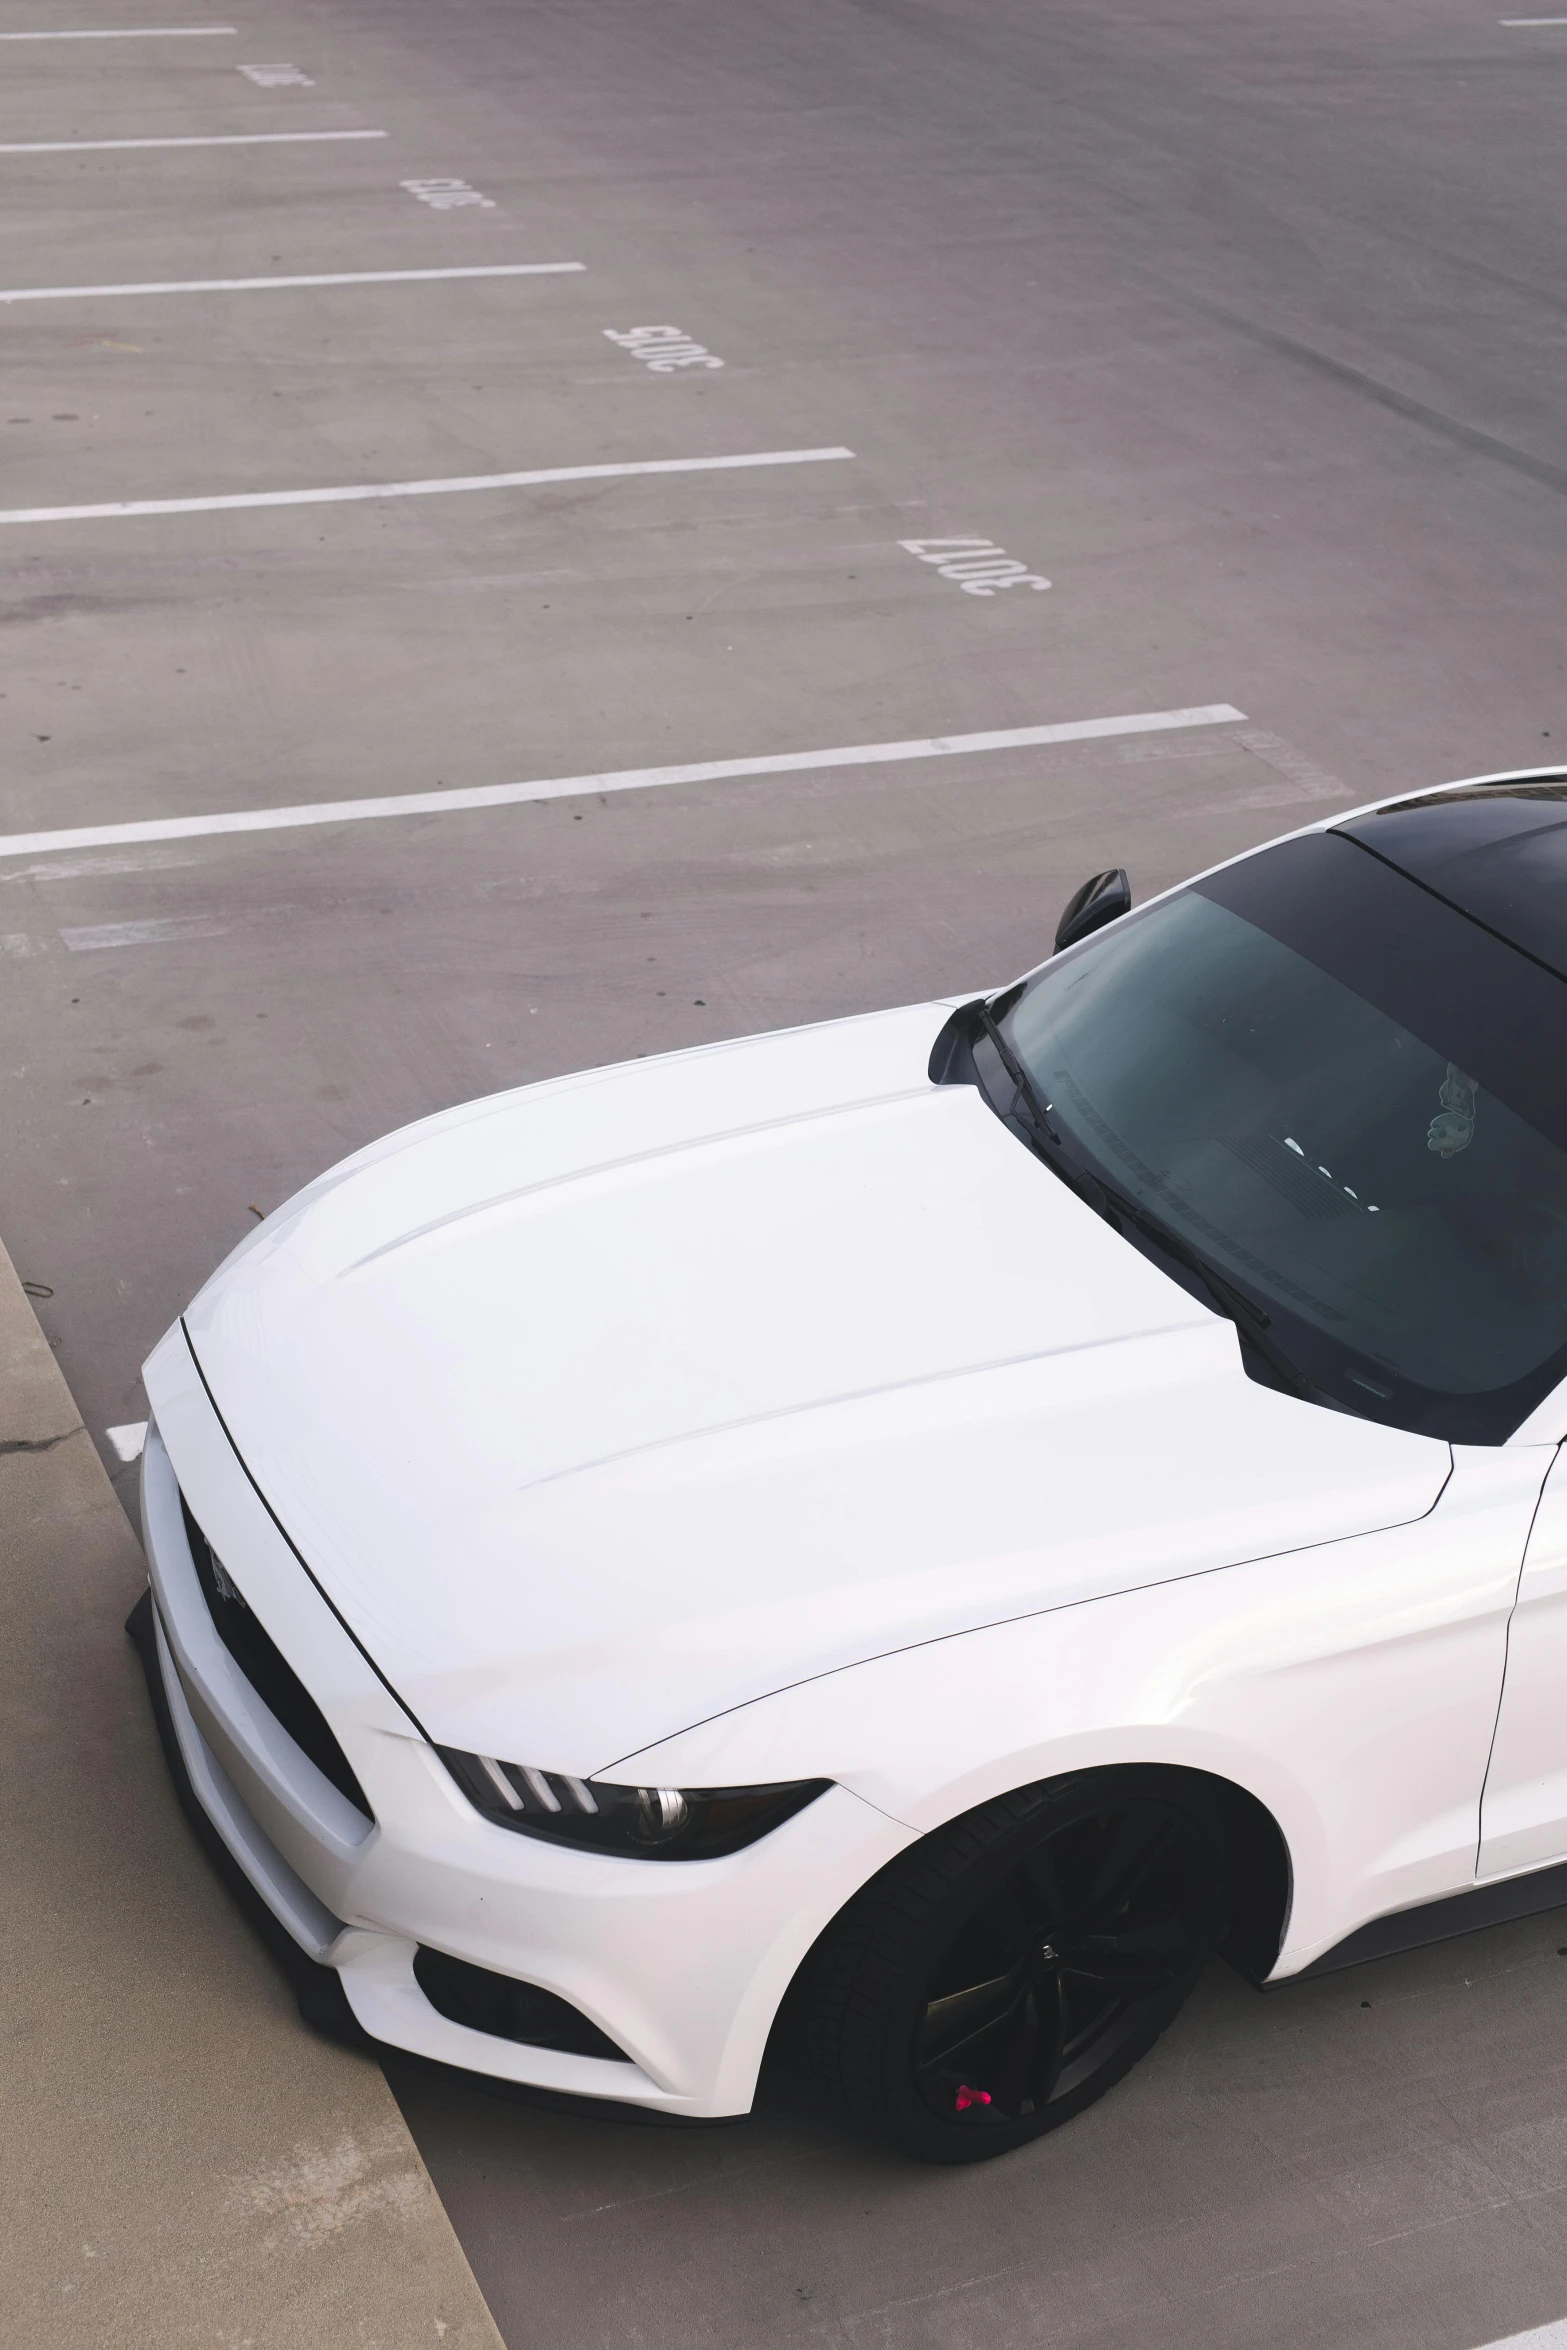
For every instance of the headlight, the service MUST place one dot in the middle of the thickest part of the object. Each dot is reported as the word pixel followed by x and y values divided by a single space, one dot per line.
pixel 644 1823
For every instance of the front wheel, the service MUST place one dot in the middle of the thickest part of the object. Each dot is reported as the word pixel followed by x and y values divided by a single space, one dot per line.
pixel 997 1978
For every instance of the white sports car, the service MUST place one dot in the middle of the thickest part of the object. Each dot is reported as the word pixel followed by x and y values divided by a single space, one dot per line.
pixel 901 1538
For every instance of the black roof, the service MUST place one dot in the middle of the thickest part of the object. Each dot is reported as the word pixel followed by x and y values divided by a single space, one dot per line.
pixel 1496 851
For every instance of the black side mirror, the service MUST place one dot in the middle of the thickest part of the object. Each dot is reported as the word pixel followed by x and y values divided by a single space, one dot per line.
pixel 1100 900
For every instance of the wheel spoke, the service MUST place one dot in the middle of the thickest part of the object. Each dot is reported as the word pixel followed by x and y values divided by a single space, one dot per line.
pixel 1135 1849
pixel 1054 2049
pixel 1013 1916
pixel 1046 1900
pixel 1128 1977
pixel 1086 2007
pixel 1011 2076
pixel 1162 1931
pixel 953 2022
pixel 1160 1937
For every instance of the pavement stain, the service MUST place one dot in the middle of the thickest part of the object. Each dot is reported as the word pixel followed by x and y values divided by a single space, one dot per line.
pixel 319 2192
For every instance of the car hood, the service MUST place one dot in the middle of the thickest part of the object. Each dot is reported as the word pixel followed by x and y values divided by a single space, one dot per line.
pixel 601 1406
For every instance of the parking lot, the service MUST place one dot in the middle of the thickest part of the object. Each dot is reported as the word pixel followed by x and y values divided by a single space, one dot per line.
pixel 536 532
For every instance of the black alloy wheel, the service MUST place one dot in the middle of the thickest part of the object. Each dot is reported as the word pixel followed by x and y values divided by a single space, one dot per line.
pixel 1002 1975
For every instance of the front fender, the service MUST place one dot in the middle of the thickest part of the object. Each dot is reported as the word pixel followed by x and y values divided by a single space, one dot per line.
pixel 1351 1689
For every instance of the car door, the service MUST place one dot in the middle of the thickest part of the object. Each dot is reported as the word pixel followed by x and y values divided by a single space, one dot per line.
pixel 1523 1820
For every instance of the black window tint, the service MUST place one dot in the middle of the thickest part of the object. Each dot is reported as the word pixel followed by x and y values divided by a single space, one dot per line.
pixel 1496 851
pixel 1344 1094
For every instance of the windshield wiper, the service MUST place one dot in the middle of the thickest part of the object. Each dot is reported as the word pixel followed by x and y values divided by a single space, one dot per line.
pixel 1032 1112
pixel 1250 1319
pixel 1223 1291
pixel 1035 1108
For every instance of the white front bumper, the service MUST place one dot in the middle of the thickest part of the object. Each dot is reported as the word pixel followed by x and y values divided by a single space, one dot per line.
pixel 682 1964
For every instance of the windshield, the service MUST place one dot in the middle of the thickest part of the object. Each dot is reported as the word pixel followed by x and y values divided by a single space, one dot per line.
pixel 1295 1068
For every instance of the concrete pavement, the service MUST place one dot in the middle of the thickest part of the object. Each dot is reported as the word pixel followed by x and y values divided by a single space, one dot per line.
pixel 181 2164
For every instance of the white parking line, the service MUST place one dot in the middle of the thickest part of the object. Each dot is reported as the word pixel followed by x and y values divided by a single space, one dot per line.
pixel 255 285
pixel 419 489
pixel 231 139
pixel 129 1440
pixel 135 32
pixel 1552 2337
pixel 562 787
pixel 155 930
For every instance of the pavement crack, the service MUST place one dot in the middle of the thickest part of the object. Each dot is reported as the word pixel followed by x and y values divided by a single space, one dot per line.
pixel 1355 379
pixel 39 1443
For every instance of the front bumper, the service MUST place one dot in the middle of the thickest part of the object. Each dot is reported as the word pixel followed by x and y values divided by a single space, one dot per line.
pixel 681 1964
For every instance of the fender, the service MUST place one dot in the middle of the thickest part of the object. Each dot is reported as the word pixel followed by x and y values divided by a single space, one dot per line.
pixel 1350 1689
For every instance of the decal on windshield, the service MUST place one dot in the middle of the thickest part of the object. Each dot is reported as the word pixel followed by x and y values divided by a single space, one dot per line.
pixel 1452 1129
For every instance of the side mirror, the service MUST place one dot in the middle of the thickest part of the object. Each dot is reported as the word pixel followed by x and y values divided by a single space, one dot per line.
pixel 1100 900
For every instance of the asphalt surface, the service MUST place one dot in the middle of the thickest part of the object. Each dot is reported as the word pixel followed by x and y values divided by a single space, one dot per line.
pixel 1241 326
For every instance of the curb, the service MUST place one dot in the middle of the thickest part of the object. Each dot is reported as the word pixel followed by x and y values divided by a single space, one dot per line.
pixel 183 2163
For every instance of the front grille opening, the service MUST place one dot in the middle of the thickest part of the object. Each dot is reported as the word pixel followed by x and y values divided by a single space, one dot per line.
pixel 268 1671
pixel 507 2009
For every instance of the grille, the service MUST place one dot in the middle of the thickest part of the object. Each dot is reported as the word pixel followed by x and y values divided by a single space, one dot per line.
pixel 499 2004
pixel 268 1671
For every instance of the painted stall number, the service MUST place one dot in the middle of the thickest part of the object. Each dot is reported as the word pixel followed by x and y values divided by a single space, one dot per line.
pixel 447 195
pixel 662 348
pixel 277 77
pixel 979 566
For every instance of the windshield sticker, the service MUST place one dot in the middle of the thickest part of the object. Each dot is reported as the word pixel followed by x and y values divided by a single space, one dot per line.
pixel 1452 1129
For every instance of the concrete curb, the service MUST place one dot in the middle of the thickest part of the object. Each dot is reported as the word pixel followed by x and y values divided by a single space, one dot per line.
pixel 181 2163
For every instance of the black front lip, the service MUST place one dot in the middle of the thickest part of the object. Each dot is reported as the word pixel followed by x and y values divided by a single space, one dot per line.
pixel 318 1990
pixel 323 2002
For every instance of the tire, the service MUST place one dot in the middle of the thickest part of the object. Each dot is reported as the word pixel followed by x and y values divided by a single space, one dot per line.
pixel 1003 1974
